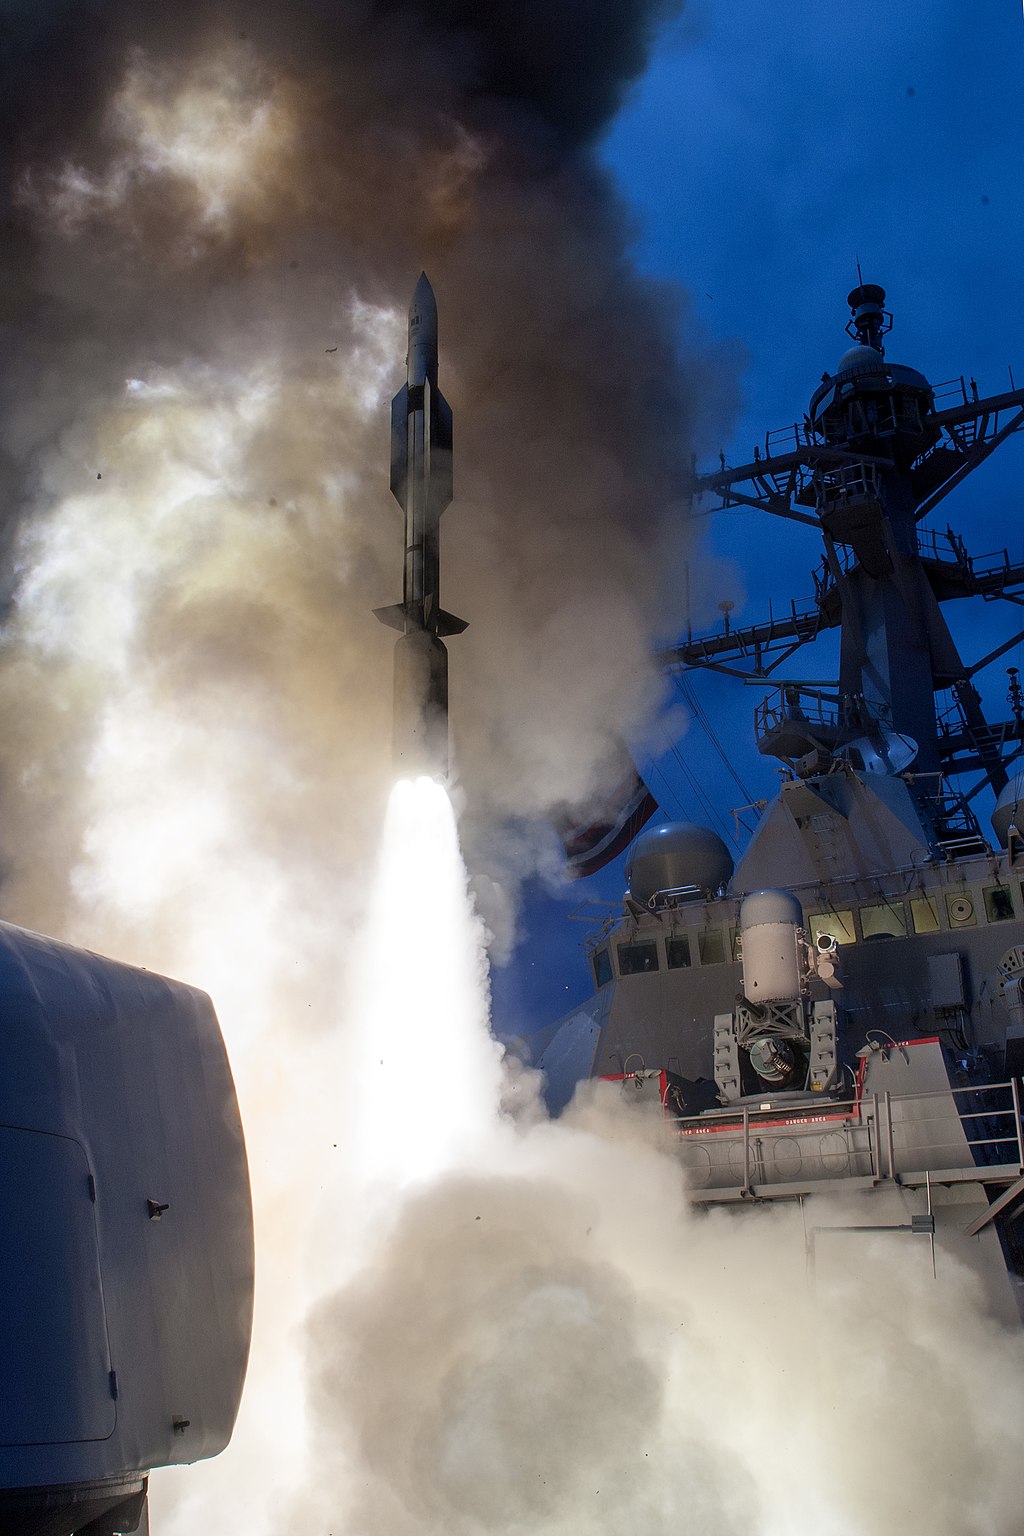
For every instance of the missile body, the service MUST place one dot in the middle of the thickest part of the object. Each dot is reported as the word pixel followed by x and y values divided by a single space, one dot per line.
pixel 421 480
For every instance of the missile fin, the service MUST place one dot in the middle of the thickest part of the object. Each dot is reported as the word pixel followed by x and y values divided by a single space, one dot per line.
pixel 400 444
pixel 393 616
pixel 441 479
pixel 448 624
pixel 443 427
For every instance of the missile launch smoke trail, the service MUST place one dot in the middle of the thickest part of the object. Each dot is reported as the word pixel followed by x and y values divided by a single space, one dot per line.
pixel 228 212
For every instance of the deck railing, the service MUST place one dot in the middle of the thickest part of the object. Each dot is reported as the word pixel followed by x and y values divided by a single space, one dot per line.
pixel 956 1134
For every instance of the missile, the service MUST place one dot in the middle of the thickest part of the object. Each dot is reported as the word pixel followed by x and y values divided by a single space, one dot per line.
pixel 421 481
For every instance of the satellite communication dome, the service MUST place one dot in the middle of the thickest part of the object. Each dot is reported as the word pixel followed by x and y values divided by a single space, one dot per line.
pixel 860 360
pixel 676 858
pixel 1009 809
pixel 897 394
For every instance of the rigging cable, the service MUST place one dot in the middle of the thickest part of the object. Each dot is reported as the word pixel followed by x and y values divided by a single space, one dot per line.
pixel 700 795
pixel 700 715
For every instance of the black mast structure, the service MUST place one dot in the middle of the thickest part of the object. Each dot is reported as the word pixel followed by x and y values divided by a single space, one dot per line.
pixel 877 452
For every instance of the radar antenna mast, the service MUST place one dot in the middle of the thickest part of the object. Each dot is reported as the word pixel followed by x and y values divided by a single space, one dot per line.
pixel 878 451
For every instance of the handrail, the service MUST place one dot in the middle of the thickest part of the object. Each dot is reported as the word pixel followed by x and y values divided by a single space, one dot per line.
pixel 950 388
pixel 940 1093
pixel 855 1103
pixel 887 1144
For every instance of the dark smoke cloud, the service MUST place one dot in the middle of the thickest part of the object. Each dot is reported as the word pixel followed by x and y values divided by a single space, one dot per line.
pixel 209 199
pixel 570 63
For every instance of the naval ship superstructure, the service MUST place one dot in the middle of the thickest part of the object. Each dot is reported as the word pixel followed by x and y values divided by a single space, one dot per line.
pixel 842 1011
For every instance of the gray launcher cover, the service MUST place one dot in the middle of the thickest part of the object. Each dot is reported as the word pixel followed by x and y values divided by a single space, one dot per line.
pixel 126 1244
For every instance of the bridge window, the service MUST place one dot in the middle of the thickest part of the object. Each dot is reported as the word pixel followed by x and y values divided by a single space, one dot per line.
pixel 712 946
pixel 925 914
pixel 677 952
pixel 602 963
pixel 998 903
pixel 636 959
pixel 839 924
pixel 885 921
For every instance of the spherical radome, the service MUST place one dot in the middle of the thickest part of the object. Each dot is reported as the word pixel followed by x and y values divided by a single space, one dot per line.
pixel 1009 808
pixel 860 359
pixel 676 856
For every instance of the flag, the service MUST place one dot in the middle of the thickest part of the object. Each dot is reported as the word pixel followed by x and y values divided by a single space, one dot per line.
pixel 612 826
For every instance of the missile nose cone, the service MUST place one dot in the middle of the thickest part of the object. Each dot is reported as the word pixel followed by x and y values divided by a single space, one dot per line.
pixel 423 335
pixel 423 310
pixel 423 296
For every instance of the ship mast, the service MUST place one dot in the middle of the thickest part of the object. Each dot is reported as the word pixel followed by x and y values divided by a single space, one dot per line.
pixel 877 452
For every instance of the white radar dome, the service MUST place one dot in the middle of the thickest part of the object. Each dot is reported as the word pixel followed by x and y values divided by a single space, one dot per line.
pixel 677 858
pixel 860 360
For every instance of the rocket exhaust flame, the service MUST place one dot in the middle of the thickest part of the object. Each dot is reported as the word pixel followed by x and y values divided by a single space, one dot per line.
pixel 426 1073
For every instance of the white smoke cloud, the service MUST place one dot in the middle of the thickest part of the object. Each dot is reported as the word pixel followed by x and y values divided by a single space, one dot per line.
pixel 563 1346
pixel 217 134
pixel 523 1326
pixel 513 1325
pixel 222 249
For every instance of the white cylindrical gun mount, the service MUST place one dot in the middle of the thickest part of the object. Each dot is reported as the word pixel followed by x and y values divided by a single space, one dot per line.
pixel 778 957
pixel 771 929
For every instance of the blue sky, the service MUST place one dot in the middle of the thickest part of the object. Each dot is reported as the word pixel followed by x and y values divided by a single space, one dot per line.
pixel 768 148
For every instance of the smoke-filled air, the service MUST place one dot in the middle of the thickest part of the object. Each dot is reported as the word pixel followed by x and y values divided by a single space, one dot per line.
pixel 216 214
pixel 468 1319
